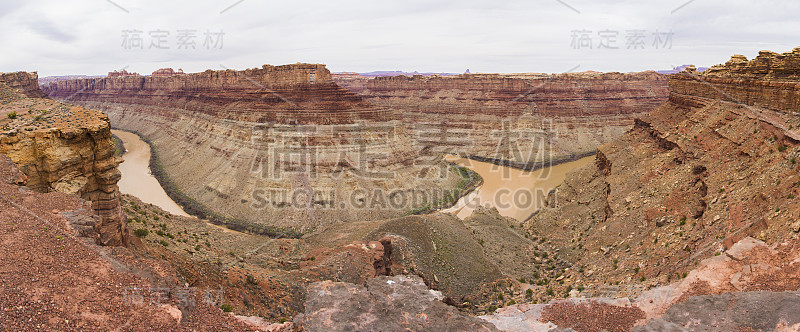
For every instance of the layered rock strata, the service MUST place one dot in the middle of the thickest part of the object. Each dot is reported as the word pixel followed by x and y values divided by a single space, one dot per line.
pixel 517 119
pixel 289 94
pixel 63 148
pixel 277 146
pixel 691 178
pixel 24 83
pixel 770 81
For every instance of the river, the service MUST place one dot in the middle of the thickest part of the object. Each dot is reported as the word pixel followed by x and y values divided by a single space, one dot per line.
pixel 515 193
pixel 136 178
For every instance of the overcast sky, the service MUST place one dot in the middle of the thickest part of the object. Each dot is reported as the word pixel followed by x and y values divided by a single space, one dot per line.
pixel 58 37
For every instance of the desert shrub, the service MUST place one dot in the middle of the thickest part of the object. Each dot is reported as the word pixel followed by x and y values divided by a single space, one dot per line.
pixel 251 280
pixel 226 308
pixel 141 232
pixel 12 115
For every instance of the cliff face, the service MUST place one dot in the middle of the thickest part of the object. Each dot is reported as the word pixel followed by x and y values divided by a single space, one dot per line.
pixel 272 147
pixel 691 178
pixel 66 149
pixel 545 116
pixel 290 94
pixel 576 94
pixel 23 82
pixel 769 81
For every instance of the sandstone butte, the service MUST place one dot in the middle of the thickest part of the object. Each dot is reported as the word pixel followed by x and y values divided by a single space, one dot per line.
pixel 62 148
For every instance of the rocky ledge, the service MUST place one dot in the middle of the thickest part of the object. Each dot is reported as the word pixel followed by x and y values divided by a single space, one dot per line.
pixel 25 83
pixel 55 277
pixel 63 148
pixel 771 81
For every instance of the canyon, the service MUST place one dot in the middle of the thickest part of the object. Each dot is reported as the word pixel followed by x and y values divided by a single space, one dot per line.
pixel 521 120
pixel 712 166
pixel 278 149
pixel 685 222
pixel 686 212
pixel 285 149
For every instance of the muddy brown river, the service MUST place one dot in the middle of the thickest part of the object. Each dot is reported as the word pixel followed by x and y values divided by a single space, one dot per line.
pixel 514 192
pixel 136 178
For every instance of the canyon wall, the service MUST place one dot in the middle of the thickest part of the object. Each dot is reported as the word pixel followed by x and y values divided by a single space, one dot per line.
pixel 519 119
pixel 769 81
pixel 24 83
pixel 62 148
pixel 715 164
pixel 289 94
pixel 273 149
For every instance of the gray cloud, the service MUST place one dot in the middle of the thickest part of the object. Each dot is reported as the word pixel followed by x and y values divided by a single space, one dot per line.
pixel 52 32
pixel 85 36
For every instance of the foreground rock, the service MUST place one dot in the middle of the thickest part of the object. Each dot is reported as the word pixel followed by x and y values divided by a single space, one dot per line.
pixel 746 311
pixel 55 278
pixel 752 286
pixel 385 304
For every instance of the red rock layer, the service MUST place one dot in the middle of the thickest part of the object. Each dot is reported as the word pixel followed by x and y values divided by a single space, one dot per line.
pixel 289 94
pixel 570 114
pixel 24 82
pixel 770 80
pixel 578 94
pixel 769 84
pixel 691 178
